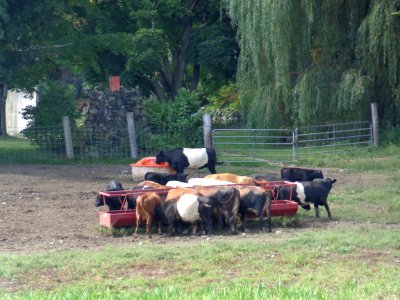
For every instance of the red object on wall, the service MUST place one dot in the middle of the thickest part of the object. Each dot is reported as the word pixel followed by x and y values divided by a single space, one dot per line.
pixel 115 83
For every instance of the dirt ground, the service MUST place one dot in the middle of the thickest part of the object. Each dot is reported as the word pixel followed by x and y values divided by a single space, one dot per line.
pixel 44 208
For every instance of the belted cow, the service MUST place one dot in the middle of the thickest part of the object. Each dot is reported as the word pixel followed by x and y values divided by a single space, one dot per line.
pixel 193 158
pixel 163 178
pixel 306 193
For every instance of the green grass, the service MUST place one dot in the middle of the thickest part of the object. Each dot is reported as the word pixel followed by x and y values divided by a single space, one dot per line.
pixel 356 256
pixel 355 263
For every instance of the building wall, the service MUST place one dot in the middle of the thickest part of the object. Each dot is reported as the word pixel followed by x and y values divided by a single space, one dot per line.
pixel 15 103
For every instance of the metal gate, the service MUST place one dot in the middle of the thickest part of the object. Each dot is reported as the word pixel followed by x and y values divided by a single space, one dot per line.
pixel 287 145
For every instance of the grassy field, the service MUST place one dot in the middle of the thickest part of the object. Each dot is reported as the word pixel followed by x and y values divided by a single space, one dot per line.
pixel 356 256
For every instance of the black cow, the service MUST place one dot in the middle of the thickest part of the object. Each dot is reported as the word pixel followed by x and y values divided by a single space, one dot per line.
pixel 163 178
pixel 254 200
pixel 189 208
pixel 300 174
pixel 113 202
pixel 307 192
pixel 193 158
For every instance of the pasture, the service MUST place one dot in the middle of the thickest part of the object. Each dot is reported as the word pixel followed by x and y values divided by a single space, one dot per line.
pixel 51 246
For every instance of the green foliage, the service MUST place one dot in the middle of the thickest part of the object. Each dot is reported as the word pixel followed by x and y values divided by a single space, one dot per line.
pixel 224 106
pixel 391 136
pixel 176 123
pixel 55 101
pixel 307 62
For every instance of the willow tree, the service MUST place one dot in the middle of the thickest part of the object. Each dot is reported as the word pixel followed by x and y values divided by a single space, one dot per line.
pixel 316 61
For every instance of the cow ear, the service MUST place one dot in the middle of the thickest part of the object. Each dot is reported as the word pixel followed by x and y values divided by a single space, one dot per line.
pixel 333 181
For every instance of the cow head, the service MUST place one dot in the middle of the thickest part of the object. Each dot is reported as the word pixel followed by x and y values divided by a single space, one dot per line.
pixel 160 157
pixel 114 185
pixel 318 174
pixel 99 201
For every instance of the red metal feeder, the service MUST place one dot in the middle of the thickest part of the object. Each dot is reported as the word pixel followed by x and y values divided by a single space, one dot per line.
pixel 125 217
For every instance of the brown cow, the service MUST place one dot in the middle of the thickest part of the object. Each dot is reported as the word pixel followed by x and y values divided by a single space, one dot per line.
pixel 232 178
pixel 175 194
pixel 225 200
pixel 148 207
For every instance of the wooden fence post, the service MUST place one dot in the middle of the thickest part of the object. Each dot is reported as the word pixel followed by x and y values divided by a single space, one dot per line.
pixel 207 130
pixel 67 137
pixel 375 125
pixel 132 134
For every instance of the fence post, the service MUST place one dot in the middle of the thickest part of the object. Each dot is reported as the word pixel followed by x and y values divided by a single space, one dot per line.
pixel 375 126
pixel 207 130
pixel 295 144
pixel 67 137
pixel 131 134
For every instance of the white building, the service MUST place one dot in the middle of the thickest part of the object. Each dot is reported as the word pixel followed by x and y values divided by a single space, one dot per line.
pixel 15 103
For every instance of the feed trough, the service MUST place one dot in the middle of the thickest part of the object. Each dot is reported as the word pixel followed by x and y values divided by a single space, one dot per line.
pixel 148 164
pixel 280 208
pixel 117 218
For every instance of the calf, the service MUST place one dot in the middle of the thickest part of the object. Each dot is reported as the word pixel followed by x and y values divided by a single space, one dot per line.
pixel 232 178
pixel 255 200
pixel 148 207
pixel 307 192
pixel 226 200
pixel 113 202
pixel 300 174
pixel 163 178
pixel 152 184
pixel 189 208
pixel 193 158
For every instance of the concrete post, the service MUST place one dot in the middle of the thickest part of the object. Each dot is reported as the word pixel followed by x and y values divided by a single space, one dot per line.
pixel 67 137
pixel 375 125
pixel 207 130
pixel 132 134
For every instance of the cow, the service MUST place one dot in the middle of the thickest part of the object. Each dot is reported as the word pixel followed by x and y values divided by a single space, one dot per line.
pixel 256 200
pixel 226 200
pixel 193 158
pixel 232 178
pixel 114 202
pixel 189 208
pixel 163 178
pixel 152 184
pixel 175 194
pixel 300 174
pixel 307 192
pixel 148 207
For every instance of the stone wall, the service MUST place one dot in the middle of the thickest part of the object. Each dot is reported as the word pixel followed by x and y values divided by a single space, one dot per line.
pixel 106 122
pixel 108 109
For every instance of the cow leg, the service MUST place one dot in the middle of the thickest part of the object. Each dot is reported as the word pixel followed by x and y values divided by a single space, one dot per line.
pixel 268 213
pixel 325 204
pixel 316 208
pixel 148 226
pixel 233 223
pixel 137 224
pixel 212 169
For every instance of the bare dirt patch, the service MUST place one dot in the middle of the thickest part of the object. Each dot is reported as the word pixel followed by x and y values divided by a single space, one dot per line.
pixel 45 207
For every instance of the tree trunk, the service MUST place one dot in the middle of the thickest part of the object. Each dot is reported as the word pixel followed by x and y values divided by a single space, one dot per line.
pixel 3 97
pixel 195 78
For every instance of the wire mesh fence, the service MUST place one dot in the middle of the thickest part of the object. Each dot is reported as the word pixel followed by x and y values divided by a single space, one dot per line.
pixel 47 145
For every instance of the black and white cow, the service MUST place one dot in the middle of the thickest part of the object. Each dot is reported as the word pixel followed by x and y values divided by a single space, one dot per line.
pixel 306 193
pixel 163 178
pixel 193 158
pixel 300 174
pixel 113 202
pixel 189 208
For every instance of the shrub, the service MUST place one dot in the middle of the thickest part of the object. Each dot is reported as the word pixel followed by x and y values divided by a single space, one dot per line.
pixel 176 123
pixel 55 101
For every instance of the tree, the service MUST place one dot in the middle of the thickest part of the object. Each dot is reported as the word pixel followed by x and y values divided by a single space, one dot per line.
pixel 32 36
pixel 159 45
pixel 315 61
